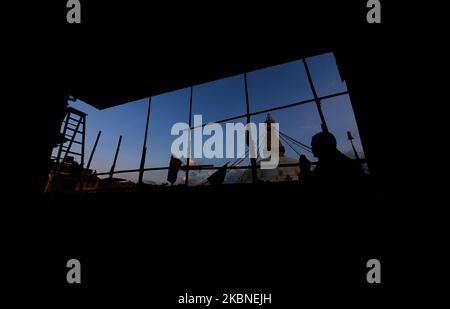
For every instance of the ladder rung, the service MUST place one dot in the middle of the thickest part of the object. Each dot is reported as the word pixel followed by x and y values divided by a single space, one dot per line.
pixel 74 119
pixel 65 152
pixel 71 152
pixel 75 142
pixel 71 124
pixel 65 148
pixel 76 131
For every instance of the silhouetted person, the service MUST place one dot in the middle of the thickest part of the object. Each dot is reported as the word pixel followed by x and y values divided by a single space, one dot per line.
pixel 333 167
pixel 305 170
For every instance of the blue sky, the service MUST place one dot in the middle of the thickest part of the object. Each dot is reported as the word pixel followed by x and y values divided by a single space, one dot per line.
pixel 270 87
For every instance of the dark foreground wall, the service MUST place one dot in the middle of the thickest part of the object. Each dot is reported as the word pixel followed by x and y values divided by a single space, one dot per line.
pixel 149 247
pixel 300 245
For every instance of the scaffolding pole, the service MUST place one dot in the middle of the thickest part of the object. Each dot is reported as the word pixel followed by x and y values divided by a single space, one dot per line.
pixel 144 146
pixel 250 140
pixel 189 139
pixel 113 167
pixel 316 98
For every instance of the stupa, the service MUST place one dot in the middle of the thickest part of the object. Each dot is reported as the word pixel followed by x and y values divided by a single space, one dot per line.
pixel 277 174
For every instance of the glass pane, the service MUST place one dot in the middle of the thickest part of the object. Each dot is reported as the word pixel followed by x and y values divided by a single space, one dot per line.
pixel 197 177
pixel 167 109
pixel 338 113
pixel 232 176
pixel 127 120
pixel 299 123
pixel 325 74
pixel 219 99
pixel 278 85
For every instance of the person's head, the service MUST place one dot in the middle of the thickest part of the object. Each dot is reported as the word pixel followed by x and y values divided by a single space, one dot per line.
pixel 323 144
